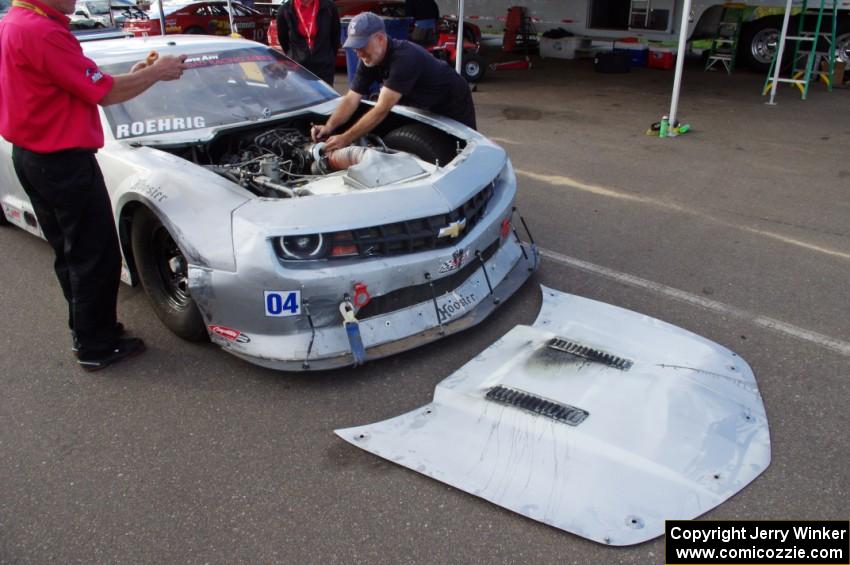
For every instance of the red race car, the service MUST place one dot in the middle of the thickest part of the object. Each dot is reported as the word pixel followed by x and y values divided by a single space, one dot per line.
pixel 203 18
pixel 447 26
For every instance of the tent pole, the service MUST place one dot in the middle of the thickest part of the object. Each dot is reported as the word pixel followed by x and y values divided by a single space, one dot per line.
pixel 230 18
pixel 161 17
pixel 680 62
pixel 459 56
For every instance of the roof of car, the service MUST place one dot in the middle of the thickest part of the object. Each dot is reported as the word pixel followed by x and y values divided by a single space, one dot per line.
pixel 137 48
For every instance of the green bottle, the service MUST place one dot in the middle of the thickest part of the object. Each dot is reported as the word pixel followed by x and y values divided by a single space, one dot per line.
pixel 665 124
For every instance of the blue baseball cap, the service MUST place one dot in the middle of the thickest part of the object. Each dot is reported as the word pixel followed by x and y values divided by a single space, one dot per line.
pixel 361 28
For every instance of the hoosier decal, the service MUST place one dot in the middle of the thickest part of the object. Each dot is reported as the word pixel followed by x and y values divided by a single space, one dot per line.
pixel 454 307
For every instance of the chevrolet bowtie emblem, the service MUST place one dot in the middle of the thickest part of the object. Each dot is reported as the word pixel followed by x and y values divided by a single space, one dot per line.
pixel 453 229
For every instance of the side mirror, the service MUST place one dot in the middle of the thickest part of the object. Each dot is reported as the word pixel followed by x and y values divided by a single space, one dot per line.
pixel 79 13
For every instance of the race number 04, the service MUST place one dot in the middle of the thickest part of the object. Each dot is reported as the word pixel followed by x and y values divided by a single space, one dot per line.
pixel 280 303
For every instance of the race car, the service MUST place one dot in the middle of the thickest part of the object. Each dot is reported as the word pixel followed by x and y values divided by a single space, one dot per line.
pixel 210 18
pixel 242 230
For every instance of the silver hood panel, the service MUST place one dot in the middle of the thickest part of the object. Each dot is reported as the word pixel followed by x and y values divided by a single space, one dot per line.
pixel 596 420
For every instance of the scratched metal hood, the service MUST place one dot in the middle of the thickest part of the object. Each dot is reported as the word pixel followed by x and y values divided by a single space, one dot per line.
pixel 596 420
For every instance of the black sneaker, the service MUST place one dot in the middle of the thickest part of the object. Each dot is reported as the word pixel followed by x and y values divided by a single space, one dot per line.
pixel 75 343
pixel 125 348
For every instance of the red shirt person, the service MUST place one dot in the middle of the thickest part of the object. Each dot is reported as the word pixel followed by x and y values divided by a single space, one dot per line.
pixel 49 93
pixel 308 32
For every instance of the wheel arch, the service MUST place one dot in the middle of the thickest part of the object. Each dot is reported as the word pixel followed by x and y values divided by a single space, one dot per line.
pixel 125 234
pixel 125 237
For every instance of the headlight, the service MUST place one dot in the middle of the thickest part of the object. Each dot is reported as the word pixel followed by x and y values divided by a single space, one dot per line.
pixel 310 246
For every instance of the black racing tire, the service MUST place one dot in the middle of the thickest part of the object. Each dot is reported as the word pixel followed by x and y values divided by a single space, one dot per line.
pixel 195 30
pixel 162 271
pixel 473 68
pixel 423 141
pixel 758 41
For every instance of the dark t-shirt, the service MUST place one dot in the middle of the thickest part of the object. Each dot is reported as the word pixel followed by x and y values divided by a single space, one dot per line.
pixel 422 80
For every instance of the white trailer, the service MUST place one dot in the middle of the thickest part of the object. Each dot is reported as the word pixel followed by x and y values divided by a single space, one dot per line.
pixel 654 20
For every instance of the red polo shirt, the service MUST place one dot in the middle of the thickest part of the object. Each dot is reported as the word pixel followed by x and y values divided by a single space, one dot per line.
pixel 48 89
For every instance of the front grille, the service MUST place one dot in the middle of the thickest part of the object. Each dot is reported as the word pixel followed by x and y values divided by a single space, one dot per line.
pixel 411 236
pixel 408 296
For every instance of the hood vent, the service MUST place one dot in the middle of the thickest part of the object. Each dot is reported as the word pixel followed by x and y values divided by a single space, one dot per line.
pixel 589 353
pixel 561 412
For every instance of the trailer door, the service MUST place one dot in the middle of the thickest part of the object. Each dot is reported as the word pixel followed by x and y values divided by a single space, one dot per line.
pixel 652 15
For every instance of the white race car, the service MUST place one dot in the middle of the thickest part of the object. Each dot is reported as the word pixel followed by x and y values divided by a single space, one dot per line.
pixel 242 230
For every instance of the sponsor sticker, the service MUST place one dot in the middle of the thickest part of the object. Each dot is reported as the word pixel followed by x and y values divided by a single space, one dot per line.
pixel 159 125
pixel 230 334
pixel 94 74
pixel 282 303
pixel 214 59
pixel 13 213
pixel 452 305
pixel 457 260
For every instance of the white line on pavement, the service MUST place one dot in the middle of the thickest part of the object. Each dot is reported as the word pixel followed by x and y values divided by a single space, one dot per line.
pixel 772 324
pixel 557 180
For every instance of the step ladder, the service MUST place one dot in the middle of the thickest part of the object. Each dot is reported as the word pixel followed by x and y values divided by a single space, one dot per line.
pixel 724 45
pixel 806 60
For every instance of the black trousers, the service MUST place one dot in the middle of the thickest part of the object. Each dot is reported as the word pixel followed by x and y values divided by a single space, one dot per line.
pixel 70 201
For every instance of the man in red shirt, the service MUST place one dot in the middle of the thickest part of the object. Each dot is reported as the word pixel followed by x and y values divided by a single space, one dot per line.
pixel 49 92
pixel 308 32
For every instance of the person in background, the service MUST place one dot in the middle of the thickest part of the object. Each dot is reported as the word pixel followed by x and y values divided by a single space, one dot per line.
pixel 408 75
pixel 49 93
pixel 308 32
pixel 425 14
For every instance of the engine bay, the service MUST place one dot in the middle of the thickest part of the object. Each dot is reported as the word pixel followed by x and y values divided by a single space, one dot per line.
pixel 281 161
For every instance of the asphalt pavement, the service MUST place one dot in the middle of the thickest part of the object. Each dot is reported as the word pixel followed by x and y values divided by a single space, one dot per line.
pixel 738 231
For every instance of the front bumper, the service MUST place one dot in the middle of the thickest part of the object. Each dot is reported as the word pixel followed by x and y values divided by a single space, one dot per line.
pixel 383 335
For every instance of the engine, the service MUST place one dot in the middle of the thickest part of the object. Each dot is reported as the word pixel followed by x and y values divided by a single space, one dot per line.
pixel 272 163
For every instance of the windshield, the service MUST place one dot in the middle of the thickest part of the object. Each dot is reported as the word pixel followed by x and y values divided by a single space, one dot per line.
pixel 219 88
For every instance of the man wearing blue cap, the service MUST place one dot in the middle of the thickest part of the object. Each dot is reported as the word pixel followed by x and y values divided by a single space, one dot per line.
pixel 409 75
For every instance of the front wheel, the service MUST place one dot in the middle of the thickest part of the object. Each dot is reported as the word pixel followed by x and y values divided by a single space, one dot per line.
pixel 472 67
pixel 163 272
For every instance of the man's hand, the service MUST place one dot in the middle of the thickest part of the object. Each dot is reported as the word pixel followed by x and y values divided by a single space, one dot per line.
pixel 169 67
pixel 320 132
pixel 335 142
pixel 144 75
